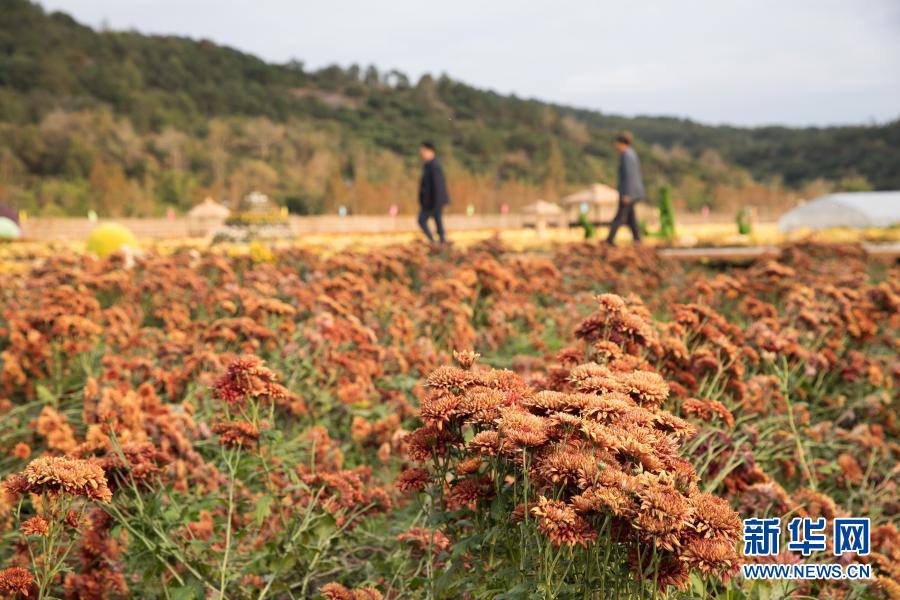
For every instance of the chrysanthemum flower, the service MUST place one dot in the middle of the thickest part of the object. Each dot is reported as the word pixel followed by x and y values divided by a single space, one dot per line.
pixel 850 468
pixel 547 401
pixel 607 349
pixel 561 524
pixel 564 420
pixel 763 497
pixel 16 580
pixel 485 442
pixel 674 426
pixel 603 436
pixel 662 516
pixel 414 480
pixel 815 504
pixel 22 451
pixel 521 429
pixel 611 303
pixel 468 491
pixel 73 519
pixel 640 445
pixel 562 465
pixel 481 406
pixel 59 475
pixel 360 429
pixel 600 499
pixel 607 408
pixel 335 591
pixel 450 379
pixel 714 518
pixel 669 570
pixel 247 377
pixel 594 378
pixel 570 356
pixel 236 433
pixel 36 526
pixel 421 443
pixel 592 327
pixel 706 410
pixel 635 328
pixel 465 358
pixel 683 473
pixel 437 408
pixel 711 556
pixel 645 387
pixel 469 465
pixel 505 381
pixel 890 587
pixel 142 462
pixel 56 429
pixel 421 538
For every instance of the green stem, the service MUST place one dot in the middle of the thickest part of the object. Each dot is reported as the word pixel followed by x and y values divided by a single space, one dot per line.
pixel 232 470
pixel 801 452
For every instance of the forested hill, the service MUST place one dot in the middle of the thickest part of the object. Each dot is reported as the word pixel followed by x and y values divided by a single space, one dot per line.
pixel 126 123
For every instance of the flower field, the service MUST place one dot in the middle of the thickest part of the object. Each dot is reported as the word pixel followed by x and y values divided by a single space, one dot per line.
pixel 572 421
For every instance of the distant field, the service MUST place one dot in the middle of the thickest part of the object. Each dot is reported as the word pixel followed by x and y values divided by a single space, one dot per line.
pixel 718 232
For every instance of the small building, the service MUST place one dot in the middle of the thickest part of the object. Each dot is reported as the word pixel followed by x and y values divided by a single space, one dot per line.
pixel 845 209
pixel 256 217
pixel 541 214
pixel 598 202
pixel 206 217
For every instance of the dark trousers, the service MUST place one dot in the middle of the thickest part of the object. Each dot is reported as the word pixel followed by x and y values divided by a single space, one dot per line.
pixel 436 214
pixel 624 215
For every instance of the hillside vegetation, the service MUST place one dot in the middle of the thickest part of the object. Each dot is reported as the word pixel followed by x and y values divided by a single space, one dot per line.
pixel 129 124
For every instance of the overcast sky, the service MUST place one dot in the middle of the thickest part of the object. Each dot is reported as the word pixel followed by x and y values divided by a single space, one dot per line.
pixel 747 62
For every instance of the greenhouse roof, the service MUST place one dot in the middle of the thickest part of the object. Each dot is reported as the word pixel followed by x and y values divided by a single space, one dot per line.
pixel 846 209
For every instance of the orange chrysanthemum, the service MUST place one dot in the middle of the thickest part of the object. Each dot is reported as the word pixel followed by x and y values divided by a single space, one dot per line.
pixel 561 524
pixel 485 442
pixel 236 433
pixel 59 475
pixel 247 377
pixel 414 480
pixel 465 358
pixel 520 429
pixel 335 591
pixel 714 518
pixel 36 526
pixel 481 406
pixel 22 451
pixel 421 538
pixel 468 491
pixel 645 387
pixel 437 408
pixel 450 379
pixel 16 580
pixel 707 410
pixel 711 556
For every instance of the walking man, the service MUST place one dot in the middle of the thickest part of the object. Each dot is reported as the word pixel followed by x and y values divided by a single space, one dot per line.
pixel 631 189
pixel 432 192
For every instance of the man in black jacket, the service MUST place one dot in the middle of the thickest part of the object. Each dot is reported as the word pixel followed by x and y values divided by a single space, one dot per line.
pixel 432 192
pixel 631 189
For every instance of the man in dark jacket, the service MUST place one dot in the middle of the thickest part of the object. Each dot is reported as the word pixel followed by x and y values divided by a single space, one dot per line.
pixel 433 195
pixel 631 189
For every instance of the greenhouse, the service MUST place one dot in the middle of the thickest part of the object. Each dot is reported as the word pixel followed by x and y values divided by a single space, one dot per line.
pixel 848 209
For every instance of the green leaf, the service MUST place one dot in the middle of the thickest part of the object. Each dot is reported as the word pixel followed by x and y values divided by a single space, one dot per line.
pixel 263 509
pixel 190 591
pixel 44 395
pixel 325 528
